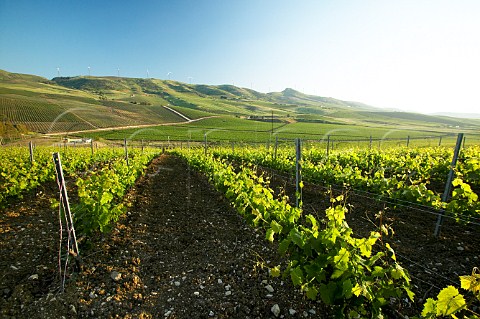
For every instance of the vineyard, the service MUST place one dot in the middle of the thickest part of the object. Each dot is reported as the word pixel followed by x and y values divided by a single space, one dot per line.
pixel 38 116
pixel 156 239
pixel 414 175
pixel 65 115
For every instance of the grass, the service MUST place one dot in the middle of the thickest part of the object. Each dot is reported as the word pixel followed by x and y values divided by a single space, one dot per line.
pixel 81 103
pixel 228 128
pixel 345 131
pixel 217 129
pixel 191 113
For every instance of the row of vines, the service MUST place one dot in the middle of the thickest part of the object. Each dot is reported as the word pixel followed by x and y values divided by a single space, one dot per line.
pixel 416 175
pixel 40 116
pixel 100 179
pixel 359 277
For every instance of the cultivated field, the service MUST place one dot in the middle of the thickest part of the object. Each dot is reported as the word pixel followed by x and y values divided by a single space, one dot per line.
pixel 189 234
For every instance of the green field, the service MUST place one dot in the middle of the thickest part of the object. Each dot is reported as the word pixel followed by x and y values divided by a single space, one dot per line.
pixel 226 129
pixel 80 106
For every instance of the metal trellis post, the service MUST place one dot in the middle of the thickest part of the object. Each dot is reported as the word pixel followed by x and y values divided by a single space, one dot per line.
pixel 298 174
pixel 448 185
pixel 205 142
pixel 328 145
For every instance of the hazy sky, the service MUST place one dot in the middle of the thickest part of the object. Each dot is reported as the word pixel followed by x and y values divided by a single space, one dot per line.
pixel 413 55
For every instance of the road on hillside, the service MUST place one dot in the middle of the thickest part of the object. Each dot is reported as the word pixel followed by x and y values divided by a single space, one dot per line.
pixel 116 128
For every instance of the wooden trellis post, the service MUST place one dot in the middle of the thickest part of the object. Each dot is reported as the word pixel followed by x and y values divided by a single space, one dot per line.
pixel 64 201
pixel 72 244
pixel 30 148
pixel 126 149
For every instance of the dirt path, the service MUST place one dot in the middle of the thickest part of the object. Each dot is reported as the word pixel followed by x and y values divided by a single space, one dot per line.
pixel 180 252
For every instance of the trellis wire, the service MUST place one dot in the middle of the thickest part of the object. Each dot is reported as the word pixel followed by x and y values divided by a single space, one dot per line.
pixel 432 272
pixel 382 198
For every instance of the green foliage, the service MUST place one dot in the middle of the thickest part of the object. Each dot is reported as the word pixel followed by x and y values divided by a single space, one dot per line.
pixel 18 175
pixel 342 269
pixel 325 262
pixel 464 199
pixel 102 179
pixel 357 276
pixel 472 283
pixel 416 175
pixel 450 302
pixel 101 192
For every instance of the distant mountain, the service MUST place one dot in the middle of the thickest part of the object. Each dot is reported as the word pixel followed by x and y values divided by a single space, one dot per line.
pixel 295 97
pixel 416 117
pixel 459 115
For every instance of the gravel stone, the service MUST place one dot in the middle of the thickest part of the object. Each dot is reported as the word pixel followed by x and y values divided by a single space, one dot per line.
pixel 115 275
pixel 275 310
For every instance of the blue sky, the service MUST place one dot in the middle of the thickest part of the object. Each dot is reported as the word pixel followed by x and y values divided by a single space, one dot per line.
pixel 413 55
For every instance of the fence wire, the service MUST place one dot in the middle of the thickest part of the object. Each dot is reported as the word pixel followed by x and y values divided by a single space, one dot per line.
pixel 379 197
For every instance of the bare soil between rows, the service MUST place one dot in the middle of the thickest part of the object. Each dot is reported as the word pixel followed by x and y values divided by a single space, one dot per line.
pixel 180 251
pixel 432 262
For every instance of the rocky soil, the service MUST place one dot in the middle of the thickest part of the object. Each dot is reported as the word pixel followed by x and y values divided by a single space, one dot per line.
pixel 433 262
pixel 182 252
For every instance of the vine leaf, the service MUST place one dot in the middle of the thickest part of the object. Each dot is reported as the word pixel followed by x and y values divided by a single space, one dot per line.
pixel 429 308
pixel 327 292
pixel 269 235
pixel 297 276
pixel 449 301
pixel 471 283
pixel 276 227
pixel 312 293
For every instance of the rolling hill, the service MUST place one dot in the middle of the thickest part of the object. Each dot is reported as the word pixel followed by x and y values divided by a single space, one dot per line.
pixel 64 104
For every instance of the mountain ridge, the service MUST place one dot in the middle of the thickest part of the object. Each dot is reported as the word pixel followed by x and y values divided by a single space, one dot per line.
pixel 288 95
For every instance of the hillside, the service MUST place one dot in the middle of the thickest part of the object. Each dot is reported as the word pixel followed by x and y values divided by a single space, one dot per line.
pixel 229 99
pixel 208 98
pixel 45 106
pixel 66 104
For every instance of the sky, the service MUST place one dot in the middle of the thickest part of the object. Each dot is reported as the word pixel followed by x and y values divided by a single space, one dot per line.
pixel 421 56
